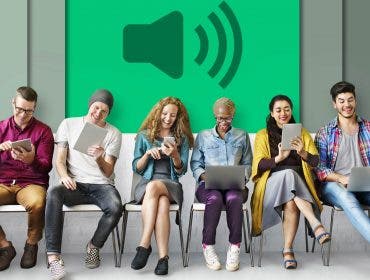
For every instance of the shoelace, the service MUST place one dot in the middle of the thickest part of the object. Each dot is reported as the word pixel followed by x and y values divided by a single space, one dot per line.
pixel 233 254
pixel 211 254
pixel 57 268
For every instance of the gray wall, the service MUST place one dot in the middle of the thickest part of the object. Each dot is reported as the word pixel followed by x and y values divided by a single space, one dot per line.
pixel 32 53
pixel 13 51
pixel 356 51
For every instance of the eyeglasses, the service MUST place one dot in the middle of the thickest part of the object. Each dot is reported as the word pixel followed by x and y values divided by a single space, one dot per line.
pixel 227 120
pixel 21 110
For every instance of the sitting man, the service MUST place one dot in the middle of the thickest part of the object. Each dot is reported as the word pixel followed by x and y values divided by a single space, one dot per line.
pixel 85 179
pixel 24 173
pixel 221 145
pixel 342 144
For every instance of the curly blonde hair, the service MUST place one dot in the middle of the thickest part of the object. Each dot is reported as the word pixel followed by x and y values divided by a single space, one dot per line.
pixel 152 122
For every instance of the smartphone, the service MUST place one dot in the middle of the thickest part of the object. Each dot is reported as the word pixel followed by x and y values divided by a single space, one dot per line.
pixel 169 139
pixel 25 144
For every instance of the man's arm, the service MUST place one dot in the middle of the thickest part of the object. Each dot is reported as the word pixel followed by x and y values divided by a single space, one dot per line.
pixel 61 166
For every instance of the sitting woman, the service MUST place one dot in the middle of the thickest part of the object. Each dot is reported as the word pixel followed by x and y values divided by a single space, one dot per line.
pixel 283 180
pixel 222 145
pixel 160 156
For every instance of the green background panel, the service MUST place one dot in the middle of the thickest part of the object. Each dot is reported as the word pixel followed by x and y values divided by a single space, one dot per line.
pixel 269 65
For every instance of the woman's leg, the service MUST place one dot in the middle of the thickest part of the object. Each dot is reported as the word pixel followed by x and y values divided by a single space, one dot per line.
pixel 214 202
pixel 154 190
pixel 234 214
pixel 290 223
pixel 290 226
pixel 162 225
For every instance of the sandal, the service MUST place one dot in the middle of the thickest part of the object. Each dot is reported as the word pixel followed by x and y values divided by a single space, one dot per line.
pixel 323 237
pixel 289 263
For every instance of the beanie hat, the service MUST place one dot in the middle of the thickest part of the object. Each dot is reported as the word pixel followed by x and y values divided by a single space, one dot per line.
pixel 104 96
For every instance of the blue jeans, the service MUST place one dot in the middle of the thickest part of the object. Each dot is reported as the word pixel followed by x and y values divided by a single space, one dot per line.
pixel 350 202
pixel 104 196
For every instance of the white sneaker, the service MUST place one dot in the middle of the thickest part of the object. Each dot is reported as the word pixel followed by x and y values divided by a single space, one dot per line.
pixel 232 260
pixel 57 269
pixel 212 260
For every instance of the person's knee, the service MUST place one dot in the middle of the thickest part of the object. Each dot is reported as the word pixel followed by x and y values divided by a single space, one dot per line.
pixel 114 206
pixel 214 198
pixel 55 193
pixel 154 189
pixel 291 207
pixel 234 198
pixel 36 204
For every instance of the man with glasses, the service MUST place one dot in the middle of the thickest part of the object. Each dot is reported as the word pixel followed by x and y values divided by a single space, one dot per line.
pixel 84 179
pixel 221 145
pixel 24 174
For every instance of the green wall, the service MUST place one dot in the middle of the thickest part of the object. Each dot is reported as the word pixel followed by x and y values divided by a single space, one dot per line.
pixel 269 63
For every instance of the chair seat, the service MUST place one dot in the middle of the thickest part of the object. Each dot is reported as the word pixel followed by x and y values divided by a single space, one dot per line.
pixel 131 207
pixel 75 208
pixel 12 208
pixel 197 206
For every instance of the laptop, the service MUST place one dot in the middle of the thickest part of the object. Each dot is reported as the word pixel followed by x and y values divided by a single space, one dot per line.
pixel 222 177
pixel 359 179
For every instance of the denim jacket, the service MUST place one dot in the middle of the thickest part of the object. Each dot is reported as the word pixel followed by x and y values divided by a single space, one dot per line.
pixel 142 144
pixel 211 149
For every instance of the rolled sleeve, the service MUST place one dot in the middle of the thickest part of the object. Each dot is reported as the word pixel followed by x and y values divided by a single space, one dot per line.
pixel 197 164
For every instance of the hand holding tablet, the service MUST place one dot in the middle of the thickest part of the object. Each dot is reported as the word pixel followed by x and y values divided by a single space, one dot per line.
pixel 24 143
pixel 90 135
pixel 290 132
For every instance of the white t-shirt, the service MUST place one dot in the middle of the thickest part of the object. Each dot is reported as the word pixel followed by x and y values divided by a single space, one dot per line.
pixel 83 168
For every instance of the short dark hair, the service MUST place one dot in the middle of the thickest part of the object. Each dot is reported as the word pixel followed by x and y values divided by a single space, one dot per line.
pixel 27 93
pixel 342 87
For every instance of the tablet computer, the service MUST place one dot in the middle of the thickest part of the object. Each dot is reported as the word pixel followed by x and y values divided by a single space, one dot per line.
pixel 290 131
pixel 24 143
pixel 91 134
pixel 359 179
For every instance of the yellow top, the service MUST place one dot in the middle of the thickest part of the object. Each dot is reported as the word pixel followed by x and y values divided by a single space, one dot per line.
pixel 261 151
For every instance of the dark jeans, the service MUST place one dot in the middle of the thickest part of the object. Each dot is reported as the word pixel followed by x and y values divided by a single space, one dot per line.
pixel 104 196
pixel 215 201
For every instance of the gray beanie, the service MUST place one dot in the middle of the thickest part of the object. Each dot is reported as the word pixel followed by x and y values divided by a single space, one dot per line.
pixel 104 96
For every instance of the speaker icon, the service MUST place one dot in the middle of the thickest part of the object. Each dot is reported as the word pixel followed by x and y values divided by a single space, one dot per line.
pixel 161 43
pixel 222 45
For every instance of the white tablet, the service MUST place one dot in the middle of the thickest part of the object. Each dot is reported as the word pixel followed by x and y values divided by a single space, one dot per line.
pixel 24 143
pixel 290 131
pixel 91 134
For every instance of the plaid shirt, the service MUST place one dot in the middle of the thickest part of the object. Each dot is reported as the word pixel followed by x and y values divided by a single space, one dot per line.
pixel 328 139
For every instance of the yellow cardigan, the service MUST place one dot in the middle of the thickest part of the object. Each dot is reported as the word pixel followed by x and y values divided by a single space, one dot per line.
pixel 261 151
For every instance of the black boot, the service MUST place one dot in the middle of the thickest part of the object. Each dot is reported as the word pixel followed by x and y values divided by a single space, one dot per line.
pixel 162 266
pixel 141 257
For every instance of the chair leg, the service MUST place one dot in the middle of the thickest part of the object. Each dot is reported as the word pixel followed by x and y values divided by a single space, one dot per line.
pixel 114 248
pixel 117 236
pixel 181 240
pixel 260 251
pixel 245 234
pixel 306 235
pixel 123 235
pixel 250 248
pixel 189 235
pixel 313 244
pixel 326 253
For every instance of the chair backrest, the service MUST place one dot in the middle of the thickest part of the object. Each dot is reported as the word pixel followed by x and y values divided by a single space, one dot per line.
pixel 135 179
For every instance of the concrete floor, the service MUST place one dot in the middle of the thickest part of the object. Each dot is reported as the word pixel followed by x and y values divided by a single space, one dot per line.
pixel 343 266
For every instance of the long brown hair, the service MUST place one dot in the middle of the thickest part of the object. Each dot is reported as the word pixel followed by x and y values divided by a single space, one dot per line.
pixel 152 122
